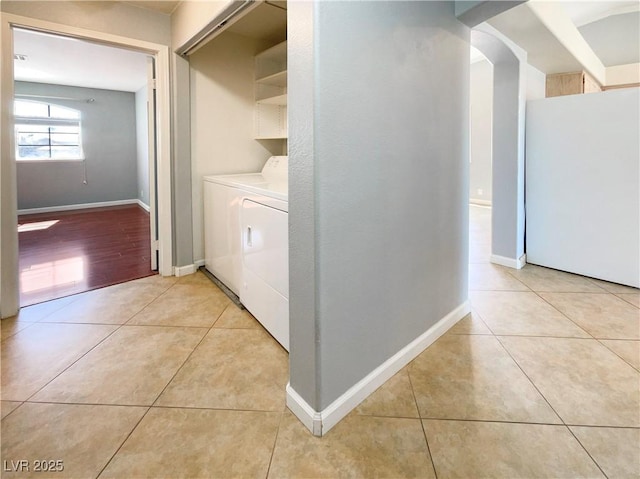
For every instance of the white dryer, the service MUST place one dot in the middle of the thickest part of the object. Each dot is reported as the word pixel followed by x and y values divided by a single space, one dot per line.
pixel 246 241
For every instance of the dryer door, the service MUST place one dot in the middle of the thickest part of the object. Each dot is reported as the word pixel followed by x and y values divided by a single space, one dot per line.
pixel 265 267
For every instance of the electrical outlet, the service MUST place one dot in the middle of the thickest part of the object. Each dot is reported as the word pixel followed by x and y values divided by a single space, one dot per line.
pixel 480 191
pixel 141 192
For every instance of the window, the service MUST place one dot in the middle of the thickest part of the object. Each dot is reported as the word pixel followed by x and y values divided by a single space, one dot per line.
pixel 47 132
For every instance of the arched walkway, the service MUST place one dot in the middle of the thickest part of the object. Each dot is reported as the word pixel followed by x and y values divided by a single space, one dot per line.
pixel 508 147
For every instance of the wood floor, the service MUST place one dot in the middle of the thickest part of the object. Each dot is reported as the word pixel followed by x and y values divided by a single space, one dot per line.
pixel 70 252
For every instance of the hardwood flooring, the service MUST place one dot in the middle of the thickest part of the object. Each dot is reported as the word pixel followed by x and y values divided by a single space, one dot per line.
pixel 70 252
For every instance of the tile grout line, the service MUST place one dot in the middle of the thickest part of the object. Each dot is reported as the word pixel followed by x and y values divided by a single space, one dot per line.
pixel 483 321
pixel 497 421
pixel 617 295
pixel 424 432
pixel 186 360
pixel 530 380
pixel 14 409
pixel 588 453
pixel 123 442
pixel 74 362
pixel 150 302
pixel 275 441
pixel 562 313
pixel 194 408
pixel 119 326
pixel 552 408
pixel 158 397
pixel 614 352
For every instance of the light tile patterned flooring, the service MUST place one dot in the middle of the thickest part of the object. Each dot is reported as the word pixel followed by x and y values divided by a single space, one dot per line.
pixel 164 377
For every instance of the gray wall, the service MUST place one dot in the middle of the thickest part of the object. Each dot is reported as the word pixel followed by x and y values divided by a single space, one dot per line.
pixel 181 167
pixel 481 96
pixel 109 143
pixel 509 97
pixel 142 146
pixel 378 199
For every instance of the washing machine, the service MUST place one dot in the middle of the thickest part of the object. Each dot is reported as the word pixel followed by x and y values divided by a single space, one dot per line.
pixel 247 241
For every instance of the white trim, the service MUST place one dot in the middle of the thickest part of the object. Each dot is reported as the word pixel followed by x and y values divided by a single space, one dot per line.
pixel 144 206
pixel 311 419
pixel 476 202
pixel 185 270
pixel 319 423
pixel 199 263
pixel 509 262
pixel 80 206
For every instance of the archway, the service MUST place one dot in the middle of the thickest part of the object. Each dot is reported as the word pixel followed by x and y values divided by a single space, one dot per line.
pixel 507 226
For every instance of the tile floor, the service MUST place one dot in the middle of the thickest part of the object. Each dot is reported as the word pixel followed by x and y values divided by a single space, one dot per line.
pixel 165 377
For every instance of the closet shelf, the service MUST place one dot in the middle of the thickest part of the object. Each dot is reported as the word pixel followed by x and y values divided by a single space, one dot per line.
pixel 273 100
pixel 277 79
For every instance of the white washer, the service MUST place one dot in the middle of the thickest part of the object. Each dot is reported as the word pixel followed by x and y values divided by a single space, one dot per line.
pixel 246 241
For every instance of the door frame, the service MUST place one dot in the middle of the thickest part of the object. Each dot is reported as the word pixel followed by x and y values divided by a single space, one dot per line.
pixel 9 272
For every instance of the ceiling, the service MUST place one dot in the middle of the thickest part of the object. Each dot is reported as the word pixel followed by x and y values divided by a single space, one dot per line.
pixel 163 6
pixel 68 61
pixel 611 28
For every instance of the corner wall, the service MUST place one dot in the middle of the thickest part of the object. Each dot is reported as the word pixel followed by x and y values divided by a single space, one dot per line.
pixel 378 198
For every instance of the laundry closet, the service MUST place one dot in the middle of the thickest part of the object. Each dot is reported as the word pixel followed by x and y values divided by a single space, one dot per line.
pixel 238 85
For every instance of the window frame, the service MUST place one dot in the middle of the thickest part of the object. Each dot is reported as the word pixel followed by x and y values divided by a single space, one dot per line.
pixel 49 122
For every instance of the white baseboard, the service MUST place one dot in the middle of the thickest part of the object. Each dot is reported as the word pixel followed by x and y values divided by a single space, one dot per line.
pixel 144 206
pixel 81 206
pixel 184 270
pixel 509 262
pixel 199 262
pixel 319 423
pixel 311 419
pixel 476 202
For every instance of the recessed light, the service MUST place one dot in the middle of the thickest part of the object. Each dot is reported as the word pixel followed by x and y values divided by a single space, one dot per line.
pixel 20 57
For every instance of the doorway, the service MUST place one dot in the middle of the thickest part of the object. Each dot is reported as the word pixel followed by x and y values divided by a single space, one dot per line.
pixel 9 280
pixel 83 165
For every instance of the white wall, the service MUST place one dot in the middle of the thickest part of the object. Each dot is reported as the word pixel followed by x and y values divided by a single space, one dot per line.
pixel 116 18
pixel 142 145
pixel 536 84
pixel 190 17
pixel 583 184
pixel 481 99
pixel 222 108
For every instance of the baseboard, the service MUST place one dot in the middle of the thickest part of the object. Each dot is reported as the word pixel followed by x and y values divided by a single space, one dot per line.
pixel 81 206
pixel 509 262
pixel 311 419
pixel 184 270
pixel 199 263
pixel 475 202
pixel 144 206
pixel 319 423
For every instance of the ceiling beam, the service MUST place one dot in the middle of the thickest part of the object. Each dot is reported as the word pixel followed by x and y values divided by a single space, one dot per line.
pixel 557 21
pixel 473 13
